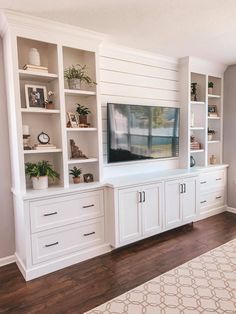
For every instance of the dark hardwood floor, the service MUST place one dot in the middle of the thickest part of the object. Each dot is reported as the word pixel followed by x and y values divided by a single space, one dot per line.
pixel 81 287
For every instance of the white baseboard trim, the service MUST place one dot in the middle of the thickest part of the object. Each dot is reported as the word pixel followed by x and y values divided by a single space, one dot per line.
pixel 7 260
pixel 231 210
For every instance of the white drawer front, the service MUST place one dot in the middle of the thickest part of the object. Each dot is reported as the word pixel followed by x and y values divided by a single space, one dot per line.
pixel 55 212
pixel 212 200
pixel 212 180
pixel 64 240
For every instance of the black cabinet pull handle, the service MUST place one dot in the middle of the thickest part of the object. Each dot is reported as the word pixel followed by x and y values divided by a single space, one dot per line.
pixel 217 197
pixel 88 234
pixel 203 182
pixel 181 188
pixel 218 179
pixel 50 214
pixel 140 197
pixel 87 206
pixel 52 244
pixel 184 187
pixel 144 197
pixel 202 202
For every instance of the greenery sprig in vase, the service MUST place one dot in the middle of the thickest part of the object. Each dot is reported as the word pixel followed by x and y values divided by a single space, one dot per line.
pixel 76 172
pixel 75 74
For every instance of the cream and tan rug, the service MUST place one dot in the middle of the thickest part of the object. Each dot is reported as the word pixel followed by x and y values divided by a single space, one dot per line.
pixel 206 284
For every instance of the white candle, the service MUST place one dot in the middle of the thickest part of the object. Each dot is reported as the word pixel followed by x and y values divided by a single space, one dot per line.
pixel 25 129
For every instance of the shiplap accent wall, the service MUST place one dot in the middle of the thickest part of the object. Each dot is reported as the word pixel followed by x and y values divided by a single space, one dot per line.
pixel 131 77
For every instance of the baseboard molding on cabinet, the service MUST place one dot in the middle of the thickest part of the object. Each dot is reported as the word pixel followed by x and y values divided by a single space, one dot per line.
pixel 7 260
pixel 231 210
pixel 212 212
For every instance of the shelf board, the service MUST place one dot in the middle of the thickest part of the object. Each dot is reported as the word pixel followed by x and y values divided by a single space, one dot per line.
pixel 213 142
pixel 39 110
pixel 42 151
pixel 79 92
pixel 197 103
pixel 82 161
pixel 197 128
pixel 35 76
pixel 213 96
pixel 214 118
pixel 197 151
pixel 81 129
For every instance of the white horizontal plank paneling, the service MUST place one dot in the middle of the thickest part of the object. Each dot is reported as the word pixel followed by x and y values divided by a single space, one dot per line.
pixel 136 68
pixel 138 92
pixel 137 80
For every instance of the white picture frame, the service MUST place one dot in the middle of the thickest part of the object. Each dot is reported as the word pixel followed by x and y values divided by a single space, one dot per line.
pixel 74 123
pixel 35 96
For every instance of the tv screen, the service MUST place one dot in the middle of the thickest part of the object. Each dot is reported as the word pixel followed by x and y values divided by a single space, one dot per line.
pixel 142 132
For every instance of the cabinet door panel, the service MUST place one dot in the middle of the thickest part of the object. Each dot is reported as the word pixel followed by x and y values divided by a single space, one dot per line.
pixel 151 209
pixel 129 215
pixel 189 200
pixel 173 215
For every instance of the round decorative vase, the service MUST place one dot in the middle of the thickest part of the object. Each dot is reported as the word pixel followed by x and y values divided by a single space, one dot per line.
pixel 49 105
pixel 83 119
pixel 192 161
pixel 210 90
pixel 40 183
pixel 34 57
pixel 74 83
pixel 76 180
pixel 210 137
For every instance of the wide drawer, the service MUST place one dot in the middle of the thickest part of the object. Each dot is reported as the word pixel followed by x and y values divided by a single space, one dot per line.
pixel 64 240
pixel 55 212
pixel 212 180
pixel 212 200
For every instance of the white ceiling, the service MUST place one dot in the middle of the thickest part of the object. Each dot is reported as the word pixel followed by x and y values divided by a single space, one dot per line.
pixel 178 28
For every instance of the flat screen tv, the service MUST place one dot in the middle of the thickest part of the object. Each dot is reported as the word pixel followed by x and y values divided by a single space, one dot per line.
pixel 142 132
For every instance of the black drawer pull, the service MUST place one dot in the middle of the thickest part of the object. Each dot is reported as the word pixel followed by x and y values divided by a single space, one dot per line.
pixel 88 234
pixel 52 244
pixel 203 182
pixel 202 202
pixel 50 214
pixel 218 197
pixel 218 179
pixel 87 206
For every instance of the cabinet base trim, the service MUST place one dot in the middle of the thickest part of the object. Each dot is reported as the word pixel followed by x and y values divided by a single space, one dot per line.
pixel 7 260
pixel 231 210
pixel 212 212
pixel 49 267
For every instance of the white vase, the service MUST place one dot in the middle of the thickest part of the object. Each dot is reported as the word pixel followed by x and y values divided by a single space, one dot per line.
pixel 40 183
pixel 34 57
pixel 74 83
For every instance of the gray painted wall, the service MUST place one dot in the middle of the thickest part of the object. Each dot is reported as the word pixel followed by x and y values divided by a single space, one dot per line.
pixel 229 150
pixel 7 242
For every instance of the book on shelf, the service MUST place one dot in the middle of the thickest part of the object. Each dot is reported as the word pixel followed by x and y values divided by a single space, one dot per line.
pixel 44 146
pixel 36 68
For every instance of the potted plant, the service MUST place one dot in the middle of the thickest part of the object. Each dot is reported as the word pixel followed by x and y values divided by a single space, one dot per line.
pixel 83 113
pixel 210 134
pixel 76 172
pixel 75 74
pixel 210 87
pixel 49 101
pixel 39 174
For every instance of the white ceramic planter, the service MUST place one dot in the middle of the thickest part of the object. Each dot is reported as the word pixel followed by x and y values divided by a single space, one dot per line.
pixel 34 57
pixel 40 183
pixel 74 84
pixel 210 137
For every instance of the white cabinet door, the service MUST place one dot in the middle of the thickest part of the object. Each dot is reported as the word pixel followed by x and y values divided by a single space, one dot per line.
pixel 173 215
pixel 189 202
pixel 151 209
pixel 129 215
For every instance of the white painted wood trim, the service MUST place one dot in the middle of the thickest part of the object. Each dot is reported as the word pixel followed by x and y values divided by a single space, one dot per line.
pixel 7 260
pixel 231 210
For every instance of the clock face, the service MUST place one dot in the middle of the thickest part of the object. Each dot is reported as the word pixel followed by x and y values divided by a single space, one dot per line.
pixel 43 138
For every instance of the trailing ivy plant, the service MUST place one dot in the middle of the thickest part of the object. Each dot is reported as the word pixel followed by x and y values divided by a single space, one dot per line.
pixel 78 72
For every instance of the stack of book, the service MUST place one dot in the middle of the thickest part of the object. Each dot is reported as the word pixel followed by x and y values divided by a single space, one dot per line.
pixel 194 144
pixel 44 146
pixel 35 68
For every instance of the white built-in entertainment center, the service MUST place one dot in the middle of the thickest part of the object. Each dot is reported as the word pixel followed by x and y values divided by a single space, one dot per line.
pixel 68 223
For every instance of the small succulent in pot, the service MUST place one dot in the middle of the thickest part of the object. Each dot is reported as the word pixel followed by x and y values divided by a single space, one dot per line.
pixel 210 87
pixel 49 101
pixel 76 172
pixel 75 74
pixel 211 133
pixel 83 113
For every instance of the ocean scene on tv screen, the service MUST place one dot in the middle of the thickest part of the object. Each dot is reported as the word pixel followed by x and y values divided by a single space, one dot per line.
pixel 142 132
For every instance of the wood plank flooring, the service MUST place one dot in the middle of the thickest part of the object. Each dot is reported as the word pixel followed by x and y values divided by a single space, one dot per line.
pixel 81 287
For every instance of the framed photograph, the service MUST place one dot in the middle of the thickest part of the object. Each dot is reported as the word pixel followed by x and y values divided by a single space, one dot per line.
pixel 88 177
pixel 212 111
pixel 35 96
pixel 74 123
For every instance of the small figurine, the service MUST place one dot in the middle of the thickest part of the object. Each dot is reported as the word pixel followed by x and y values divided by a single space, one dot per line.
pixel 76 153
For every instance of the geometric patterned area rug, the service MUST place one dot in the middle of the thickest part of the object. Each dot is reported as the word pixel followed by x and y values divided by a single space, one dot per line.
pixel 206 284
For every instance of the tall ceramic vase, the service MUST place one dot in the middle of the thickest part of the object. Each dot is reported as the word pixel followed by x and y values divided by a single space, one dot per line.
pixel 34 57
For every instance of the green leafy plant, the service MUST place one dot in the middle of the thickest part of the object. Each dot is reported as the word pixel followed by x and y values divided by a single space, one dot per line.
pixel 78 72
pixel 40 169
pixel 210 131
pixel 75 172
pixel 210 85
pixel 82 110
